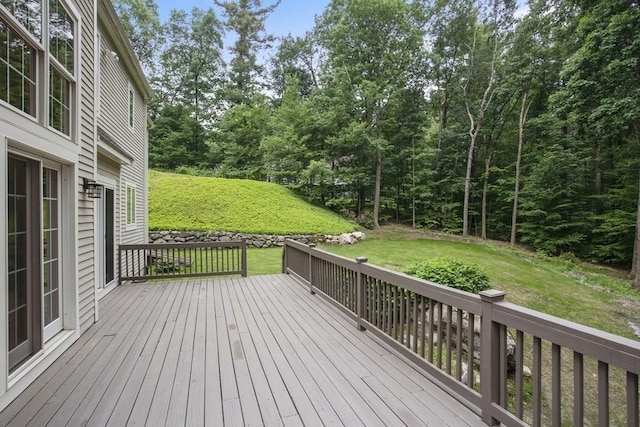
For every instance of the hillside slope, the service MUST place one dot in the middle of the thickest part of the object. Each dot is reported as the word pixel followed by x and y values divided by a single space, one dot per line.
pixel 182 202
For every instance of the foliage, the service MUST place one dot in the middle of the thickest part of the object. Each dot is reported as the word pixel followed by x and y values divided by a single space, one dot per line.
pixel 180 202
pixel 449 271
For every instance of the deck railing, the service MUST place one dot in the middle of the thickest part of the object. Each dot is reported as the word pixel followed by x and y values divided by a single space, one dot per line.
pixel 173 260
pixel 479 347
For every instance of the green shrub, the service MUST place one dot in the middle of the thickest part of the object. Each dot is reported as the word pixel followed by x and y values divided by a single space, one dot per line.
pixel 451 272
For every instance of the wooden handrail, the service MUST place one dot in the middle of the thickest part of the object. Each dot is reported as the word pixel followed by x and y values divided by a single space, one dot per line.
pixel 173 260
pixel 425 321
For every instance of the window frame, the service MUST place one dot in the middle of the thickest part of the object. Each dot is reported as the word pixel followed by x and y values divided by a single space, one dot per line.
pixel 131 107
pixel 45 62
pixel 131 217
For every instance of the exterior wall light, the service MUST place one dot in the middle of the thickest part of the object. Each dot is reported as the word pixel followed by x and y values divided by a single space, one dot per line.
pixel 92 188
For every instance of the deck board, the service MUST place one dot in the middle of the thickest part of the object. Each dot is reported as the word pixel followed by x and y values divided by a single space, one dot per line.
pixel 230 351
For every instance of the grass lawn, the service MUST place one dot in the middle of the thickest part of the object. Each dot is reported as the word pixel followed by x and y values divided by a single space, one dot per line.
pixel 192 203
pixel 586 294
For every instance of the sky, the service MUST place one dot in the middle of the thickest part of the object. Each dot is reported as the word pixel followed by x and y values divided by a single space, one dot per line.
pixel 291 16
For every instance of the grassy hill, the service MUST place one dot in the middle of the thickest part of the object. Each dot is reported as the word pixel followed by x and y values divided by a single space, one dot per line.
pixel 182 202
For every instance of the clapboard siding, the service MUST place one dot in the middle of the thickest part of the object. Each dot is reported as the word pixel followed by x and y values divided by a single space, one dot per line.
pixel 115 83
pixel 86 162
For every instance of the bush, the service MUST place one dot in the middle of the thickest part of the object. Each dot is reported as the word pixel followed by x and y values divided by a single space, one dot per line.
pixel 451 272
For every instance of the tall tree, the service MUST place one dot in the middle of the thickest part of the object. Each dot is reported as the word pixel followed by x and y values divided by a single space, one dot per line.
pixel 141 22
pixel 297 57
pixel 191 63
pixel 490 39
pixel 602 97
pixel 374 46
pixel 246 18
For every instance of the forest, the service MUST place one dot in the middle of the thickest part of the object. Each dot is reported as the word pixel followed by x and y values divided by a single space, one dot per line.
pixel 463 116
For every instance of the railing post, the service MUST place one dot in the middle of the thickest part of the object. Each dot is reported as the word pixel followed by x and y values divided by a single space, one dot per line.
pixel 284 257
pixel 244 258
pixel 360 293
pixel 119 265
pixel 490 370
pixel 311 247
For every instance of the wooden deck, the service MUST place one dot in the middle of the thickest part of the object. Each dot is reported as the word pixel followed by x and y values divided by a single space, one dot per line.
pixel 247 351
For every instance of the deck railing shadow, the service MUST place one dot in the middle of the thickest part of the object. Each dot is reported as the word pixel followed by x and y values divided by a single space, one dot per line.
pixel 478 346
pixel 177 260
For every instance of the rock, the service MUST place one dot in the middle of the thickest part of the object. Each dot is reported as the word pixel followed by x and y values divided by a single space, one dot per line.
pixel 526 371
pixel 167 238
pixel 346 239
pixel 224 239
pixel 358 235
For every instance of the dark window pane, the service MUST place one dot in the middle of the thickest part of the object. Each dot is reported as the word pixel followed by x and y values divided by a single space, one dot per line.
pixel 12 331
pixel 11 209
pixel 59 102
pixel 12 291
pixel 21 214
pixel 53 244
pixel 45 213
pixel 21 288
pixel 55 305
pixel 12 252
pixel 54 283
pixel 47 309
pixel 45 284
pixel 53 183
pixel 21 251
pixel 22 325
pixel 53 213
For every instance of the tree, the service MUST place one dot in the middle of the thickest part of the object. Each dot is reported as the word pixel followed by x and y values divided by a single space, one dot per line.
pixel 297 57
pixel 493 36
pixel 246 18
pixel 374 47
pixel 602 97
pixel 142 24
pixel 191 63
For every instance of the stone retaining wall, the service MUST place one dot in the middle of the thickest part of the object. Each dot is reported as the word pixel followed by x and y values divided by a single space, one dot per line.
pixel 253 240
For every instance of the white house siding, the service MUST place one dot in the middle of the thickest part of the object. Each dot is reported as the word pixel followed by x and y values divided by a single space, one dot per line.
pixel 76 157
pixel 115 83
pixel 86 168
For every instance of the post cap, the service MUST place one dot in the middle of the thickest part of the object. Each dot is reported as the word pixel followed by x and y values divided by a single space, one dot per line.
pixel 492 295
pixel 362 259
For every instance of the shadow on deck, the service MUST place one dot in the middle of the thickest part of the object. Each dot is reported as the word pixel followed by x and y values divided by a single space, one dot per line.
pixel 244 351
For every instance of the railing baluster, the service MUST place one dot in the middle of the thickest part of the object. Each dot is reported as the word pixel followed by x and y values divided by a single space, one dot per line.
pixel 449 332
pixel 423 321
pixel 472 349
pixel 415 322
pixel 459 345
pixel 537 382
pixel 632 400
pixel 519 403
pixel 439 354
pixel 578 389
pixel 603 394
pixel 431 320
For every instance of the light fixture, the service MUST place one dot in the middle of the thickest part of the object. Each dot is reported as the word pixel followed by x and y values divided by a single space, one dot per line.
pixel 92 188
pixel 110 54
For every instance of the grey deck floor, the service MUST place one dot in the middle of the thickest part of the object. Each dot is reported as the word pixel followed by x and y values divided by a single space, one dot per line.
pixel 254 351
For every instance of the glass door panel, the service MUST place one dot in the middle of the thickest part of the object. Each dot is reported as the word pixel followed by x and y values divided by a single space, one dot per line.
pixel 51 295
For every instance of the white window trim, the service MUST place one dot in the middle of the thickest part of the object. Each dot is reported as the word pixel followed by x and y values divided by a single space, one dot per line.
pixel 128 225
pixel 131 108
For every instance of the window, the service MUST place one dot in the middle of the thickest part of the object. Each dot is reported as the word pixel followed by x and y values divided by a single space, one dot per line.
pixel 25 49
pixel 131 205
pixel 17 71
pixel 132 100
pixel 61 54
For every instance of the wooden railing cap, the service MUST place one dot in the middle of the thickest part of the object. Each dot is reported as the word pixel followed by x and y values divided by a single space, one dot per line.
pixel 492 295
pixel 362 259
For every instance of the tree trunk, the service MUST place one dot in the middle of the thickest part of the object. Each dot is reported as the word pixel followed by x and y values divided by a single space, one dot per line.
pixel 524 110
pixel 485 190
pixel 635 268
pixel 376 196
pixel 467 186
